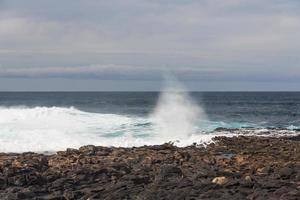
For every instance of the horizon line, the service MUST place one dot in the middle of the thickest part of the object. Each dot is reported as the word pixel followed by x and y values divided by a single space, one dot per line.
pixel 2 91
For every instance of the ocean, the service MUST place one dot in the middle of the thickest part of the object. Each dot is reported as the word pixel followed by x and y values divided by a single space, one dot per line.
pixel 52 121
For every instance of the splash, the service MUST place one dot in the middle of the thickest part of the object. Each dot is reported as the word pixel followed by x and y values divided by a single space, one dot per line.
pixel 176 113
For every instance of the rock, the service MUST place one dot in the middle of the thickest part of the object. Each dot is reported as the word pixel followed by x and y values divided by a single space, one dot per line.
pixel 170 171
pixel 59 183
pixel 285 172
pixel 297 177
pixel 69 195
pixel 88 149
pixel 248 178
pixel 231 168
pixel 264 170
pixel 18 180
pixel 240 159
pixel 138 179
pixel 25 195
pixel 247 182
pixel 293 194
pixel 72 151
pixel 220 180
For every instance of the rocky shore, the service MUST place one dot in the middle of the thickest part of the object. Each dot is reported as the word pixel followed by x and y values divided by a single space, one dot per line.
pixel 231 168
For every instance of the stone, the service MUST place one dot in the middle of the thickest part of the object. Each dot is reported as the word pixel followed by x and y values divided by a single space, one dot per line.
pixel 297 176
pixel 248 178
pixel 285 172
pixel 220 180
pixel 88 149
pixel 264 170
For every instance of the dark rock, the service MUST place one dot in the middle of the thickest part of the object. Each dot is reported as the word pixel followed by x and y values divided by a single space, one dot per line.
pixel 298 176
pixel 25 195
pixel 285 172
pixel 138 179
pixel 264 170
pixel 88 150
pixel 230 168
pixel 69 194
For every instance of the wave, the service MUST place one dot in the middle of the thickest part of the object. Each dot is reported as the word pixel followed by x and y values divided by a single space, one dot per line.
pixel 56 128
pixel 41 129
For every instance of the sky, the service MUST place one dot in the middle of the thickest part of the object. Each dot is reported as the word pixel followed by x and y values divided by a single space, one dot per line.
pixel 128 45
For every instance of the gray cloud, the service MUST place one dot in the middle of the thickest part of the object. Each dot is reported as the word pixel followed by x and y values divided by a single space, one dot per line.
pixel 139 72
pixel 138 39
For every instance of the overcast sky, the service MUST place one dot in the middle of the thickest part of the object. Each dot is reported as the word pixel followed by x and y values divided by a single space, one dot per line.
pixel 129 44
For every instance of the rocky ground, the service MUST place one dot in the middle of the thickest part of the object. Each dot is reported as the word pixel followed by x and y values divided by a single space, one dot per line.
pixel 231 168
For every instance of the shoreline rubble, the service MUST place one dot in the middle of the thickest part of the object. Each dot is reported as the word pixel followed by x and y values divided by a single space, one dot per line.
pixel 243 167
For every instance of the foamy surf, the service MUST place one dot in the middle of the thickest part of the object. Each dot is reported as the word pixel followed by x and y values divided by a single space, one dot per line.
pixel 41 129
pixel 56 128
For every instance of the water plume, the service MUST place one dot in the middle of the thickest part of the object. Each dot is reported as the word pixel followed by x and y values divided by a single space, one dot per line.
pixel 176 113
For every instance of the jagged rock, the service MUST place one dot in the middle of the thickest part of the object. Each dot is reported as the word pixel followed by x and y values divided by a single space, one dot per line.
pixel 230 168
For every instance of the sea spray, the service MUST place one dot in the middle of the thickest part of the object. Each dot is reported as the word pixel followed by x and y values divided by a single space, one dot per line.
pixel 176 113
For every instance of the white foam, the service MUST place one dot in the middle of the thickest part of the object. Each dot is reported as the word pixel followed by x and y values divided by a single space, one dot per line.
pixel 54 128
pixel 41 129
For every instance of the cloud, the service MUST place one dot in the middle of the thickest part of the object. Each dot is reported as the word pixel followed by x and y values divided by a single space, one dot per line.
pixel 197 39
pixel 94 71
pixel 131 72
pixel 193 27
pixel 54 71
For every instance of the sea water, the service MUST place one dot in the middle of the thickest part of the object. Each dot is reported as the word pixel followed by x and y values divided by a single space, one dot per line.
pixel 51 121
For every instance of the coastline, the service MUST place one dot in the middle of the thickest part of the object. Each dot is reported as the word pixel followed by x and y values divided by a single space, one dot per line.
pixel 242 167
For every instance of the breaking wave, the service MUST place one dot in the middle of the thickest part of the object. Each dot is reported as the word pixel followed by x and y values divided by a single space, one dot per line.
pixel 43 129
pixel 57 128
